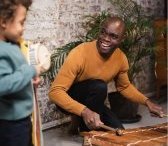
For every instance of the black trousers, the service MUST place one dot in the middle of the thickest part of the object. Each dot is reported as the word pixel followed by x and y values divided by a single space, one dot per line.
pixel 16 133
pixel 93 93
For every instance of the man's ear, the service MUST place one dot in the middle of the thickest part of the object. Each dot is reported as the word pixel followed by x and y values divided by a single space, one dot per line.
pixel 123 37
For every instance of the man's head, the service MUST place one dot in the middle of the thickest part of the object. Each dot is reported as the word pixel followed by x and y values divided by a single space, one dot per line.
pixel 110 36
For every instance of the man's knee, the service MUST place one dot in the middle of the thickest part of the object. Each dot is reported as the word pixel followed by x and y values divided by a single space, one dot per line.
pixel 100 87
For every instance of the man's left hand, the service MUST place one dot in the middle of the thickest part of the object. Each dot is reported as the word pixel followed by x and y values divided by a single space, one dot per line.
pixel 154 108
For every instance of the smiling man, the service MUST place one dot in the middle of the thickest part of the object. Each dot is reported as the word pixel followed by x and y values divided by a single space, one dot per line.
pixel 80 87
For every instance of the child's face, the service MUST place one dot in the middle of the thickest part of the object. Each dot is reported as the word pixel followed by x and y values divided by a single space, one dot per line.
pixel 14 28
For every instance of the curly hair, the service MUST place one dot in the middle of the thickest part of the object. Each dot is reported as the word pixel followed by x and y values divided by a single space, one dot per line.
pixel 8 7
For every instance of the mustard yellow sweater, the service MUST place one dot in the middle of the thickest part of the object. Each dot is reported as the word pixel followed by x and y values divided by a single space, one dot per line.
pixel 84 62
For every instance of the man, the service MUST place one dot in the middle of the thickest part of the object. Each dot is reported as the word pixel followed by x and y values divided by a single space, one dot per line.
pixel 81 84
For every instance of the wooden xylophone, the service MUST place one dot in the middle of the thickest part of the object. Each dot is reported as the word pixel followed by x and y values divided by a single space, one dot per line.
pixel 145 136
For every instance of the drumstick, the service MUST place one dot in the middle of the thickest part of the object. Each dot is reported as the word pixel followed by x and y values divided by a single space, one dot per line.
pixel 118 132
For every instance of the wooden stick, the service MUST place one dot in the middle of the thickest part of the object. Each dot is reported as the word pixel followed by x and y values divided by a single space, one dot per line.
pixel 118 132
pixel 164 115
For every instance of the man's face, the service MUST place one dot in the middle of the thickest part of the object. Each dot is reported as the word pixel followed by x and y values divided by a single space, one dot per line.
pixel 110 36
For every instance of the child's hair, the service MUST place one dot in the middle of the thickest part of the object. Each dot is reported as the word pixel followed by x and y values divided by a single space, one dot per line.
pixel 8 7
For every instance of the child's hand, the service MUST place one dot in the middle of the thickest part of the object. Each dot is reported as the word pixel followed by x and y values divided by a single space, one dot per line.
pixel 36 81
pixel 39 69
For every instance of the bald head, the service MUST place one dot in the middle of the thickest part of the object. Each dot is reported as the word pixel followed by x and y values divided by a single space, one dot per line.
pixel 115 21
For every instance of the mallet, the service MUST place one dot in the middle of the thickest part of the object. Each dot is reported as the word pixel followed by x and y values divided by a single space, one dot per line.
pixel 118 132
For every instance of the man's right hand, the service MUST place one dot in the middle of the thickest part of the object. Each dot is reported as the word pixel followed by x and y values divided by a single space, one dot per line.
pixel 91 119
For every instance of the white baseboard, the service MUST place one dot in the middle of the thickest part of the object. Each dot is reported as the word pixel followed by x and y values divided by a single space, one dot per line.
pixel 55 123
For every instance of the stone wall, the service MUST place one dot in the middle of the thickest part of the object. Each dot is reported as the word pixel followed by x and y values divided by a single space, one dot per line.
pixel 154 8
pixel 55 23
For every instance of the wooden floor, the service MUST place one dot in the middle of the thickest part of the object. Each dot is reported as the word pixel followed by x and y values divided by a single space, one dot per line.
pixel 59 136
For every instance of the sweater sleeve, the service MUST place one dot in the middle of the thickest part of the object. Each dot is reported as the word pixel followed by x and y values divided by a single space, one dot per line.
pixel 13 81
pixel 64 79
pixel 125 87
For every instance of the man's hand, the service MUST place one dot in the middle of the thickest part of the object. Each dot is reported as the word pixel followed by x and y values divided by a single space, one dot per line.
pixel 91 119
pixel 154 108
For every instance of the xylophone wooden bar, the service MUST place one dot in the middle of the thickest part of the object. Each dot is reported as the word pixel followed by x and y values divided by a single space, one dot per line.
pixel 145 136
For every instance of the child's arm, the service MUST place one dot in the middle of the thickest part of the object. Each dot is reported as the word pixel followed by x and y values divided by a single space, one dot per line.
pixel 11 82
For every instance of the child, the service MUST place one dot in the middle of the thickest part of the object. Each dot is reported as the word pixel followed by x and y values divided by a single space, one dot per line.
pixel 16 100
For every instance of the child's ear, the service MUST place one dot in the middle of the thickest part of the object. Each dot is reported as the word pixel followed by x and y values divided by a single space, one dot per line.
pixel 2 23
